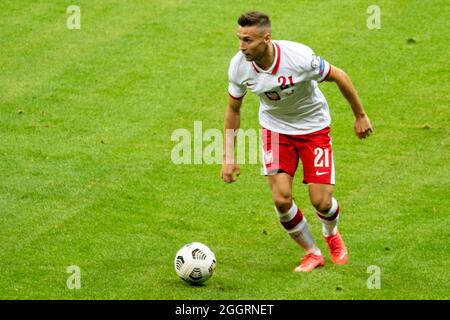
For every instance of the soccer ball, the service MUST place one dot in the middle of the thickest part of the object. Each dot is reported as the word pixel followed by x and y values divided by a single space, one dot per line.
pixel 195 262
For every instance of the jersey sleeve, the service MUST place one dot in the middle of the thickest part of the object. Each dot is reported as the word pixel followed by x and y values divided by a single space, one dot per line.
pixel 313 66
pixel 235 89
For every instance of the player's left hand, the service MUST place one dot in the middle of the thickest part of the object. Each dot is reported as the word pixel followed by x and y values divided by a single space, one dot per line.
pixel 363 127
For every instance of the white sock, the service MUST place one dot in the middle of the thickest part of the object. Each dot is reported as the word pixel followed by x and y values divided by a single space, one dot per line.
pixel 329 227
pixel 296 226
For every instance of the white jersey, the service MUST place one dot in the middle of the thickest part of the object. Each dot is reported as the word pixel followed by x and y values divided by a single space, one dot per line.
pixel 290 100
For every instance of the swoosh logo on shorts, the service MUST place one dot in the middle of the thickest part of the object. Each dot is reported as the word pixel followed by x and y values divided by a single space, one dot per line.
pixel 318 173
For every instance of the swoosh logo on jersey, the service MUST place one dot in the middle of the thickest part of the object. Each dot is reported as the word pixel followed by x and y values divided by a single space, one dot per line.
pixel 318 173
pixel 250 84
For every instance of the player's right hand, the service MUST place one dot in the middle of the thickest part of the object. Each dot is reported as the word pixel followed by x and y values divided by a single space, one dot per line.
pixel 230 172
pixel 363 127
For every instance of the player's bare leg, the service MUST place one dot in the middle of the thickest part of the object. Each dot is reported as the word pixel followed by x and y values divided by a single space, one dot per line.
pixel 327 208
pixel 281 186
pixel 293 221
pixel 321 196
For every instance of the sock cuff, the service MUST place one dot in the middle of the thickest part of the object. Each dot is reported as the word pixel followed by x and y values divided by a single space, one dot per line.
pixel 286 216
pixel 298 227
pixel 292 220
pixel 333 213
pixel 334 206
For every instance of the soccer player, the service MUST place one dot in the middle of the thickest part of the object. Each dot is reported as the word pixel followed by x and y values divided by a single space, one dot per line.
pixel 295 120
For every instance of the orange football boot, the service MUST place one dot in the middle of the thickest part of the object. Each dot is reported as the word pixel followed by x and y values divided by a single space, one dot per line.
pixel 310 262
pixel 338 250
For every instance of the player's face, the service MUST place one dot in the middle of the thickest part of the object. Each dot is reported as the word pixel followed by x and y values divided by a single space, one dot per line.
pixel 253 42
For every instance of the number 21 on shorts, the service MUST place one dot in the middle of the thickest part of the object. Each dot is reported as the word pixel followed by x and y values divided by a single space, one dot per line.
pixel 321 158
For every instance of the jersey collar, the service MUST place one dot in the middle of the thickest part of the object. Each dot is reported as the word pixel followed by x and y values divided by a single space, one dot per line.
pixel 276 62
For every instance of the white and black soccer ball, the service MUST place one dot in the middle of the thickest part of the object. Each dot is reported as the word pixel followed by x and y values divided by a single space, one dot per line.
pixel 195 262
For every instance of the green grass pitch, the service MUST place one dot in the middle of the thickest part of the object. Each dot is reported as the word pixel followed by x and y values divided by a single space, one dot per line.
pixel 86 176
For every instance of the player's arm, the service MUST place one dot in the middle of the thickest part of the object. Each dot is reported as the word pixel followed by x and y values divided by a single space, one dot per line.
pixel 232 123
pixel 363 128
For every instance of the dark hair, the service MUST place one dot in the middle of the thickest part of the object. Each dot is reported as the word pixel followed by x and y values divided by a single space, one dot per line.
pixel 254 18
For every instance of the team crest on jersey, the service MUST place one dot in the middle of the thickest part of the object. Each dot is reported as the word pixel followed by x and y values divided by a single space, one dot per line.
pixel 268 157
pixel 272 95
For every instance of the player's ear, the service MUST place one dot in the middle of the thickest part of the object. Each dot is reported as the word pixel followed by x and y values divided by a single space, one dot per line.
pixel 267 37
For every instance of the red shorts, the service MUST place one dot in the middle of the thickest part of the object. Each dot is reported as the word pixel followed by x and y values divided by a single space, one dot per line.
pixel 281 152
